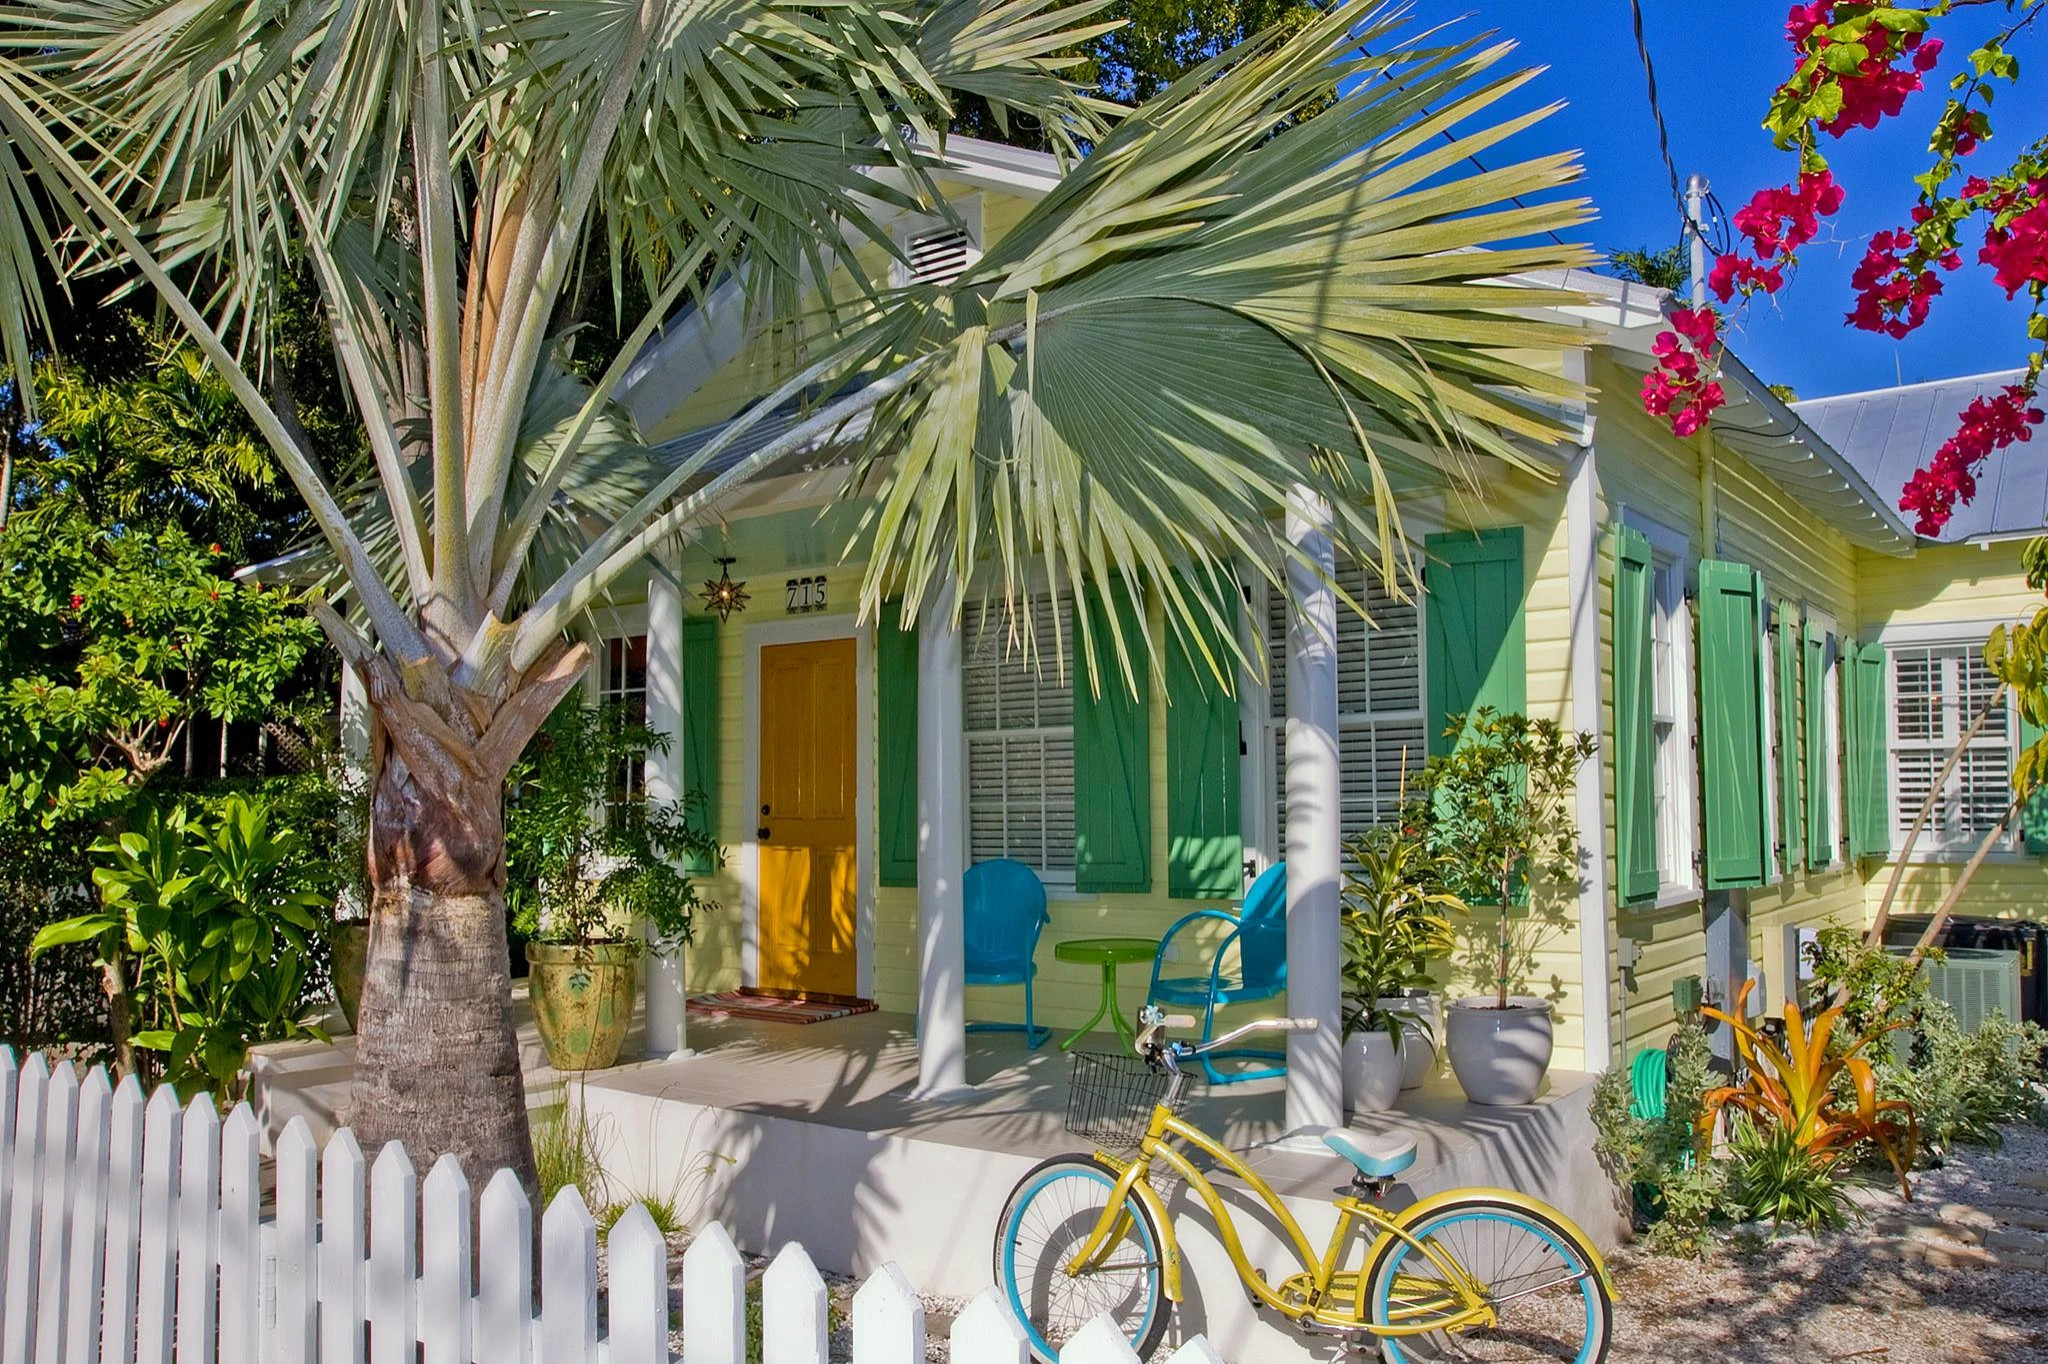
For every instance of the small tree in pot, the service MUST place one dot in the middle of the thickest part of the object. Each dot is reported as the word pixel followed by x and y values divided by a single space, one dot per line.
pixel 1396 921
pixel 586 860
pixel 1498 807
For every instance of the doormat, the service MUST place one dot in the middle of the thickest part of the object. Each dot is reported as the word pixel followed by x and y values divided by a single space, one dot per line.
pixel 775 1008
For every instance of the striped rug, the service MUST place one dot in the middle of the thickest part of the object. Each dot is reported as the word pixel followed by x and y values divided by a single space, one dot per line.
pixel 776 1008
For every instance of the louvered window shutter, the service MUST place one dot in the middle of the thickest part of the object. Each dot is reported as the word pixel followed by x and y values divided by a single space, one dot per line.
pixel 1731 725
pixel 1205 842
pixel 896 747
pixel 1635 741
pixel 1790 822
pixel 700 729
pixel 1477 654
pixel 1018 707
pixel 1814 654
pixel 1869 834
pixel 1112 755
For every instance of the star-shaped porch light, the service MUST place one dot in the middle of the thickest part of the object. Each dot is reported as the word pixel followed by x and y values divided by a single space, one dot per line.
pixel 723 595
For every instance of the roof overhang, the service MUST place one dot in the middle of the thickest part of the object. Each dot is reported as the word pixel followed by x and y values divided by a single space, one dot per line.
pixel 1756 424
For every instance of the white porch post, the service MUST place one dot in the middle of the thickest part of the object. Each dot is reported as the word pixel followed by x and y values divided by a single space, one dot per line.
pixel 941 856
pixel 667 1019
pixel 1582 510
pixel 1315 1081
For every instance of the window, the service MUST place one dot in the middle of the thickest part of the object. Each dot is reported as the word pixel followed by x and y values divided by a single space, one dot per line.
pixel 1831 732
pixel 1937 689
pixel 623 687
pixel 1019 721
pixel 1671 710
pixel 1382 733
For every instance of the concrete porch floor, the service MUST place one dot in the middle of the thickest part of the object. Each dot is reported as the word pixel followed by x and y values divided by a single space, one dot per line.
pixel 808 1133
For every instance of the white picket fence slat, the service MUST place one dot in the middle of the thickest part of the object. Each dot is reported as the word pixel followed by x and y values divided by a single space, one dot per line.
pixel 133 1232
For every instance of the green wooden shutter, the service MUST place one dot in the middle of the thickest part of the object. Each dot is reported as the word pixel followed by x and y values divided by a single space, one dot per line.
pixel 1205 842
pixel 1814 649
pixel 1731 725
pixel 1790 822
pixel 1112 756
pixel 1635 740
pixel 896 747
pixel 1864 690
pixel 2034 815
pixel 1477 655
pixel 700 727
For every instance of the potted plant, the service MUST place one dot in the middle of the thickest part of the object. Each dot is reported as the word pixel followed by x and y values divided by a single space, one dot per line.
pixel 1498 809
pixel 1396 921
pixel 587 860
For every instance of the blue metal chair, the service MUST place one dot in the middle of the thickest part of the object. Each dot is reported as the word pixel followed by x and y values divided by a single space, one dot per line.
pixel 1005 913
pixel 1258 930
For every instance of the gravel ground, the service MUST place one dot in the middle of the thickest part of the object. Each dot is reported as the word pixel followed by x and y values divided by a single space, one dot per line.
pixel 1874 1292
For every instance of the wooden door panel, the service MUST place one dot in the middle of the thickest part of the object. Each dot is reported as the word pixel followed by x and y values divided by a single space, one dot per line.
pixel 808 859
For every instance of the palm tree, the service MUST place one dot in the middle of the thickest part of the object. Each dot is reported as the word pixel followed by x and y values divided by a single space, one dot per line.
pixel 1228 302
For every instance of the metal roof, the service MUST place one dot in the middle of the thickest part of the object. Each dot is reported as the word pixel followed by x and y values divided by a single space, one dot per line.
pixel 1887 433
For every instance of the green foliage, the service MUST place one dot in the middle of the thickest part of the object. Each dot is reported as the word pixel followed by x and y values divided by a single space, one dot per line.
pixel 1965 1085
pixel 1660 269
pixel 1499 815
pixel 1772 1177
pixel 585 859
pixel 1396 921
pixel 111 643
pixel 215 913
pixel 1877 989
pixel 1677 1194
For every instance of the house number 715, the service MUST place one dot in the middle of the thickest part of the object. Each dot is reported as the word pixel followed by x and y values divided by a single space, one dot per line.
pixel 806 594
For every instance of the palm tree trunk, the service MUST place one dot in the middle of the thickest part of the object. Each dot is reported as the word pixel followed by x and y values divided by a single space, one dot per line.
pixel 437 1063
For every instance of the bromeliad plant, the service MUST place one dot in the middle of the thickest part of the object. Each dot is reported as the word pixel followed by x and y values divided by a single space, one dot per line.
pixel 215 914
pixel 1814 1100
pixel 1396 922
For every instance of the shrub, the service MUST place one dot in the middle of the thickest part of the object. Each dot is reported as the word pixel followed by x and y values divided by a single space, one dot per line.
pixel 1658 1160
pixel 1875 988
pixel 1965 1085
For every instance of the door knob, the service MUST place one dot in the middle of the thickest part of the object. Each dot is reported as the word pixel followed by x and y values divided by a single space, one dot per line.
pixel 760 833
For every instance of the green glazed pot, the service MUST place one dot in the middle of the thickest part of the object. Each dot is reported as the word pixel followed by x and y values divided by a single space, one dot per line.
pixel 583 1000
pixel 350 949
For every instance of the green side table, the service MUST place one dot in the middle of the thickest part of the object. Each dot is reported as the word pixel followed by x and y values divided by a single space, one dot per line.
pixel 1109 954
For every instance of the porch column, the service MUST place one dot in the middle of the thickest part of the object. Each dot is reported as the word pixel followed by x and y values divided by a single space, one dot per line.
pixel 1582 530
pixel 941 856
pixel 667 1022
pixel 1315 1080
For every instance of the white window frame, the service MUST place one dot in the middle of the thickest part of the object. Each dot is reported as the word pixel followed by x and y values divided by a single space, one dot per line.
pixel 1831 720
pixel 608 689
pixel 1966 636
pixel 1775 870
pixel 1063 671
pixel 1262 775
pixel 1677 756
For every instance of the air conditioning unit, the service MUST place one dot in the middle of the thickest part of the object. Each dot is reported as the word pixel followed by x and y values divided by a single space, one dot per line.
pixel 1976 982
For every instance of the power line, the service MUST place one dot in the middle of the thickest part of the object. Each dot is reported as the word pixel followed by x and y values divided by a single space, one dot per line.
pixel 1656 111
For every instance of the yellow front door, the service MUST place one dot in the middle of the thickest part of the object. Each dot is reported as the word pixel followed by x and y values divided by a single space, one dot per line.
pixel 806 835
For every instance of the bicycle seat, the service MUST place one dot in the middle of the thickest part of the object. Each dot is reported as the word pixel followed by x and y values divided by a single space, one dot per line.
pixel 1378 1155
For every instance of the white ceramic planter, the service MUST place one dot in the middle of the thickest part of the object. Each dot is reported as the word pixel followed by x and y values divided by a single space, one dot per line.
pixel 1418 1036
pixel 1372 1072
pixel 1499 1055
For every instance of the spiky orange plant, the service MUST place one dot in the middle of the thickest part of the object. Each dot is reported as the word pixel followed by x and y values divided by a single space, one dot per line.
pixel 1794 1089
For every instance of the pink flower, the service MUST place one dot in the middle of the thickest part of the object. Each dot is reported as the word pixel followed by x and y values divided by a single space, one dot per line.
pixel 1950 478
pixel 1676 389
pixel 2018 252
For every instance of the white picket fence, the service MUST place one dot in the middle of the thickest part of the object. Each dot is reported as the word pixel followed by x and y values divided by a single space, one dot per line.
pixel 133 1234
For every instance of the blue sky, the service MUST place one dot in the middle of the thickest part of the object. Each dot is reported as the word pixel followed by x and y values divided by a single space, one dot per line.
pixel 1716 66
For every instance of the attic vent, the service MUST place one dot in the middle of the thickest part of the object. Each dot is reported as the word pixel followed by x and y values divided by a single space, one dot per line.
pixel 938 257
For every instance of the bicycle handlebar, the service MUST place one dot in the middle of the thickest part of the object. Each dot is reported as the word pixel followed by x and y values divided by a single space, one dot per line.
pixel 1158 1023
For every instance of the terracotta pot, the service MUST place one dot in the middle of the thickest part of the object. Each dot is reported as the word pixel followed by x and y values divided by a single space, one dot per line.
pixel 1372 1072
pixel 583 1000
pixel 348 948
pixel 1418 1036
pixel 1499 1055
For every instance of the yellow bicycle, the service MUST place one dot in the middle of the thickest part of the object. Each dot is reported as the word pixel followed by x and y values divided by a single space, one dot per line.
pixel 1467 1274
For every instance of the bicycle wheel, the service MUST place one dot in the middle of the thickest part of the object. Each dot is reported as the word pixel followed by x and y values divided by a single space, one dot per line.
pixel 1048 1219
pixel 1536 1271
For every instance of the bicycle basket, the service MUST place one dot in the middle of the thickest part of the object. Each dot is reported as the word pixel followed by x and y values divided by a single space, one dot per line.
pixel 1110 1097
